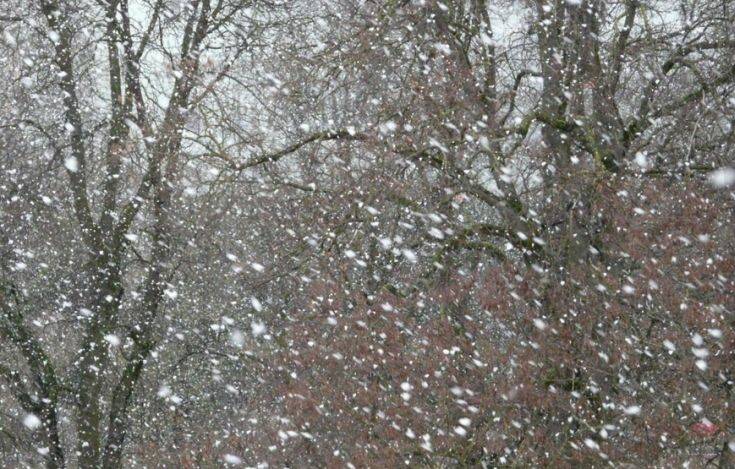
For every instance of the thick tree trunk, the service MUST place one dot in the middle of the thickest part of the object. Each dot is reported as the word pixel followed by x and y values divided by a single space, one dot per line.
pixel 118 424
pixel 94 361
pixel 88 421
pixel 55 458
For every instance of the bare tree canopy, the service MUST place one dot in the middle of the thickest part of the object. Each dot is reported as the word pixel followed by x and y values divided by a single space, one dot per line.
pixel 355 233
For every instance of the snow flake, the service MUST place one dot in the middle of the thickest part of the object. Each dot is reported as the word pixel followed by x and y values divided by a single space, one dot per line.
pixel 641 160
pixel 385 243
pixel 426 443
pixel 722 177
pixel 388 127
pixel 591 444
pixel 237 338
pixel 31 421
pixel 409 255
pixel 436 233
pixel 9 39
pixel 113 340
pixel 698 340
pixel 257 328
pixel 72 164
pixel 700 352
pixel 54 36
pixel 232 459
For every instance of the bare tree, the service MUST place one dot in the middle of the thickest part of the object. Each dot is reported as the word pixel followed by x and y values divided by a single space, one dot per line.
pixel 461 232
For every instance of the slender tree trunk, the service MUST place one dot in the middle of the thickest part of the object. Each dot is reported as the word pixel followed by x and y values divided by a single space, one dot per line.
pixel 94 361
pixel 55 458
pixel 88 421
